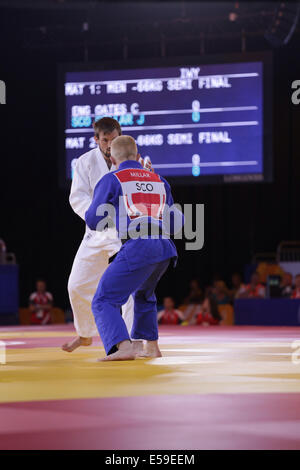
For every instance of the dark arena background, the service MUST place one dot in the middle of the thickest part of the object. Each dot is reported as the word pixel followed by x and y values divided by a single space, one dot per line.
pixel 245 359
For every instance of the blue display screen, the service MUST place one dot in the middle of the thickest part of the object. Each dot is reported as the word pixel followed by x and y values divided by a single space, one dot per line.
pixel 190 120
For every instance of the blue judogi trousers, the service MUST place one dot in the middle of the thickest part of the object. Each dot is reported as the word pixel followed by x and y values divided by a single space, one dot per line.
pixel 119 281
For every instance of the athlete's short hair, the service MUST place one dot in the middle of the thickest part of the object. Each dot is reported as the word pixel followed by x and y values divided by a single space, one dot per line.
pixel 124 148
pixel 106 125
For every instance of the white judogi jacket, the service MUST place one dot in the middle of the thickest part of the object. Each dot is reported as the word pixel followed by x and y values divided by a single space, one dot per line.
pixel 89 169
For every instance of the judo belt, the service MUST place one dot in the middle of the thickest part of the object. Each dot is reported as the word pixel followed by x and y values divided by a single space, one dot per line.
pixel 151 230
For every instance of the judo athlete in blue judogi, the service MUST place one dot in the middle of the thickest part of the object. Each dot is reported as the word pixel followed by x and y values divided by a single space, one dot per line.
pixel 138 202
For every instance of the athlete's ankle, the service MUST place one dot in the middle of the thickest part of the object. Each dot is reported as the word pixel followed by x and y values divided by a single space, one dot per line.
pixel 124 345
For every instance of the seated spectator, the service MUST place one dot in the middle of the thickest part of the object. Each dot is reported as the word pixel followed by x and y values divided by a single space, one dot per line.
pixel 220 293
pixel 193 301
pixel 254 290
pixel 296 291
pixel 286 285
pixel 209 313
pixel 265 269
pixel 236 282
pixel 209 290
pixel 40 304
pixel 169 315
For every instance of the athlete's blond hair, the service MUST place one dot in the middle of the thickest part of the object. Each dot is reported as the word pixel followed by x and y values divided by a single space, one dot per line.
pixel 124 148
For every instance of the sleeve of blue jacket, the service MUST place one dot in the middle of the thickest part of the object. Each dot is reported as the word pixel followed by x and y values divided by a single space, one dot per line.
pixel 103 203
pixel 173 218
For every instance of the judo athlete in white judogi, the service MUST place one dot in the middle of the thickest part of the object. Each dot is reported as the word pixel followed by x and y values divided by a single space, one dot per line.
pixel 137 201
pixel 96 248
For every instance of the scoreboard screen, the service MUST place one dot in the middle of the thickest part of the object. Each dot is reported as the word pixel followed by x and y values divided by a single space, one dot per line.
pixel 195 121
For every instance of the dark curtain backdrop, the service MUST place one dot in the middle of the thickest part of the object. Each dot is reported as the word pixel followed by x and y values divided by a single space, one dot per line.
pixel 37 222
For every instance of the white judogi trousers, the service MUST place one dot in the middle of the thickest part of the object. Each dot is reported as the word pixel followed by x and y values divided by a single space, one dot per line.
pixel 90 262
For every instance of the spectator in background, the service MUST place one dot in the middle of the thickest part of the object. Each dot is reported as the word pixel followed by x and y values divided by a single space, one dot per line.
pixel 2 251
pixel 296 291
pixel 254 290
pixel 40 304
pixel 169 315
pixel 193 301
pixel 209 290
pixel 220 293
pixel 209 313
pixel 286 285
pixel 195 295
pixel 236 281
pixel 265 269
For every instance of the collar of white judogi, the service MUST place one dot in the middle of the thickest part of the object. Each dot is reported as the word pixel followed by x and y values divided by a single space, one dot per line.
pixel 102 162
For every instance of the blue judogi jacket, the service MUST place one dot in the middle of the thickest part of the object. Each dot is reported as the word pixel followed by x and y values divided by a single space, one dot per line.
pixel 139 203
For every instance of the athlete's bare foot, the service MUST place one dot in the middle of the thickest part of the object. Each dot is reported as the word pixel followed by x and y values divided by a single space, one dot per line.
pixel 138 347
pixel 151 350
pixel 125 353
pixel 75 343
